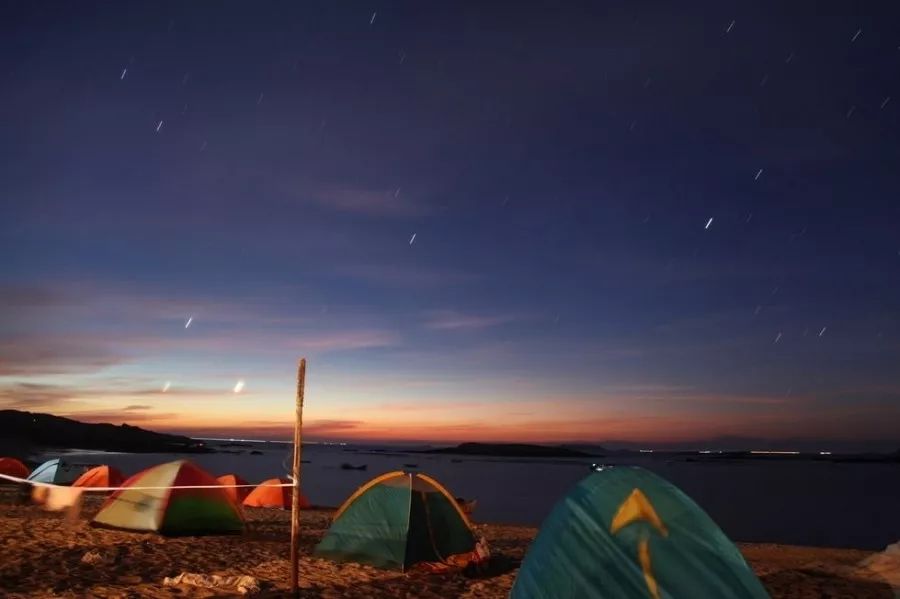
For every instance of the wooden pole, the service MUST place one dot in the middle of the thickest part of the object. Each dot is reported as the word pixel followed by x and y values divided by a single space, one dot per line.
pixel 295 496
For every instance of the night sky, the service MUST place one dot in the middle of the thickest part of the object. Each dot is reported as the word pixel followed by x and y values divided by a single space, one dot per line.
pixel 600 221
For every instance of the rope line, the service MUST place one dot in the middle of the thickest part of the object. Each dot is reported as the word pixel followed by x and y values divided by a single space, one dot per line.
pixel 35 483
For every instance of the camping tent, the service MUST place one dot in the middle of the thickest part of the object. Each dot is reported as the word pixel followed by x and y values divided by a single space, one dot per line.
pixel 57 471
pixel 237 493
pixel 269 494
pixel 100 476
pixel 625 532
pixel 13 467
pixel 397 520
pixel 147 502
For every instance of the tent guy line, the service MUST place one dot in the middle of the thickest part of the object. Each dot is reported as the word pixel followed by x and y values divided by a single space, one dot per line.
pixel 107 489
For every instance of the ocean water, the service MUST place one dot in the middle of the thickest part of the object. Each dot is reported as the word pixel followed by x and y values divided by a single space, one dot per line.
pixel 798 502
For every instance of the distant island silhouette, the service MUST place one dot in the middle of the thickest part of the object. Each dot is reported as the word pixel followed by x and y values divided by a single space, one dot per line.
pixel 512 450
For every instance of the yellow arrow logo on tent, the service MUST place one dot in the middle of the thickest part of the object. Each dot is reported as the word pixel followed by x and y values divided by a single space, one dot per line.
pixel 636 508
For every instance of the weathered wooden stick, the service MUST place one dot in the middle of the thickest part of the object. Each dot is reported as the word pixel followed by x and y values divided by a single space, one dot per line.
pixel 295 497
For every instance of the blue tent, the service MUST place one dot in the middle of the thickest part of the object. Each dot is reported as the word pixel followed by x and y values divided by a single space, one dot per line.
pixel 625 532
pixel 57 471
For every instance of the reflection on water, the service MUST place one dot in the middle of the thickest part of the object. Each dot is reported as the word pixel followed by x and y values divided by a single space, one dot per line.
pixel 803 503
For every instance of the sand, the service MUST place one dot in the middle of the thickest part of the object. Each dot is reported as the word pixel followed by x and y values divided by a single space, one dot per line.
pixel 43 555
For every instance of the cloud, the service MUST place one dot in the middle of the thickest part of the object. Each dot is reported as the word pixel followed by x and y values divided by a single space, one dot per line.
pixel 96 328
pixel 326 427
pixel 280 430
pixel 25 296
pixel 262 342
pixel 282 189
pixel 114 301
pixel 399 276
pixel 69 302
pixel 29 355
pixel 342 340
pixel 65 398
pixel 430 406
pixel 79 353
pixel 675 395
pixel 73 402
pixel 449 320
pixel 34 396
pixel 389 203
pixel 119 417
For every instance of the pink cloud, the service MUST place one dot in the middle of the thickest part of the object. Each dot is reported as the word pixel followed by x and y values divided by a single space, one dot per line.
pixel 86 299
pixel 315 429
pixel 449 320
pixel 35 396
pixel 29 355
pixel 63 398
pixel 408 276
pixel 66 337
pixel 389 202
pixel 266 341
pixel 26 296
pixel 432 406
pixel 342 340
pixel 119 416
pixel 81 353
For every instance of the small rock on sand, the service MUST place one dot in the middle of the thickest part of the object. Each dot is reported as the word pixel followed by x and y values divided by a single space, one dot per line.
pixel 93 557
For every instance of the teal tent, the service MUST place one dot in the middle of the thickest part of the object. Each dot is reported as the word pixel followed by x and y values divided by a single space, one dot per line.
pixel 397 520
pixel 625 532
pixel 57 471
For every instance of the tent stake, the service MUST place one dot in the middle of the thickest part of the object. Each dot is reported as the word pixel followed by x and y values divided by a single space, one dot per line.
pixel 295 497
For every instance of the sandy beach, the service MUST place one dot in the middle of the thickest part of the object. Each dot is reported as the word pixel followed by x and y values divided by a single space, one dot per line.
pixel 44 556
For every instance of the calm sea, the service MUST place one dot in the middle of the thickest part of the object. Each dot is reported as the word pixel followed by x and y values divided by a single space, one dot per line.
pixel 804 503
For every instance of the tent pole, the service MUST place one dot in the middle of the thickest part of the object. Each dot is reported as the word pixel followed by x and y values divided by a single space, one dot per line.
pixel 295 496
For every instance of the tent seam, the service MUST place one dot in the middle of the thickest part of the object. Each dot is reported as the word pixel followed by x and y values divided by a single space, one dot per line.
pixel 408 518
pixel 166 498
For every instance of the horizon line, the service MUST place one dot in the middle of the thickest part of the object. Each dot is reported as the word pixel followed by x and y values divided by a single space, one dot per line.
pixel 701 447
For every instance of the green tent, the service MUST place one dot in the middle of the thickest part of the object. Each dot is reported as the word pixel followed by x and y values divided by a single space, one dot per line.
pixel 147 502
pixel 625 532
pixel 397 520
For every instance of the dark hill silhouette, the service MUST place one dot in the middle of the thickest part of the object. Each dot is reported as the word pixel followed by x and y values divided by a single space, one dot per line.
pixel 27 430
pixel 511 450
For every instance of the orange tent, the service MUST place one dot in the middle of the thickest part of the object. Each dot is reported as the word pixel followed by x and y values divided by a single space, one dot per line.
pixel 101 476
pixel 13 467
pixel 266 494
pixel 238 494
